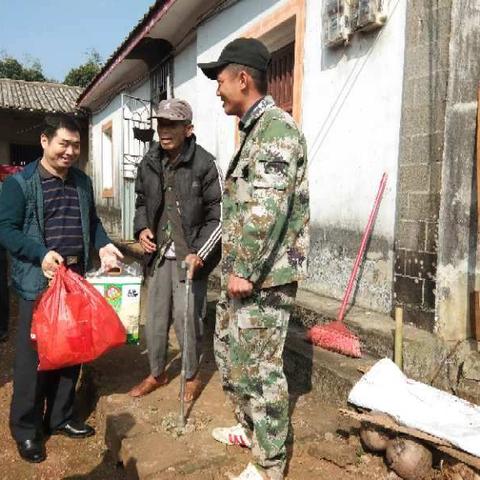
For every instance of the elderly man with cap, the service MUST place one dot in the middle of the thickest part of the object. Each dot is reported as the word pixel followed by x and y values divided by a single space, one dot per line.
pixel 265 243
pixel 177 219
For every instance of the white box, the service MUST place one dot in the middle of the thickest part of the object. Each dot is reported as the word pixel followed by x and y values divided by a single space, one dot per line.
pixel 123 294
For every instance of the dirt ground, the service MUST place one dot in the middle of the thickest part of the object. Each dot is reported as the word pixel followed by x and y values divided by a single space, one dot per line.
pixel 67 459
pixel 324 445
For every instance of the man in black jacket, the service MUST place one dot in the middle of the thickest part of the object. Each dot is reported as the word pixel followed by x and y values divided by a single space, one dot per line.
pixel 177 218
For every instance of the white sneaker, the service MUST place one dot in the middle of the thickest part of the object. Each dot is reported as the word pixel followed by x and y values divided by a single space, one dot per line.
pixel 250 473
pixel 232 436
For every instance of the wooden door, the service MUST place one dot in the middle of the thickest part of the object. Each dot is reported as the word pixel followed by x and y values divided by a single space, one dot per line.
pixel 280 77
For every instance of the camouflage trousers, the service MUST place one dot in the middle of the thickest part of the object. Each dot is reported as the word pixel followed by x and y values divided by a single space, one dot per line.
pixel 248 342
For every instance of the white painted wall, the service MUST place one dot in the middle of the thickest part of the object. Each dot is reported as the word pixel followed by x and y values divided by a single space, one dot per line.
pixel 112 112
pixel 142 90
pixel 216 131
pixel 352 100
pixel 363 134
pixel 185 77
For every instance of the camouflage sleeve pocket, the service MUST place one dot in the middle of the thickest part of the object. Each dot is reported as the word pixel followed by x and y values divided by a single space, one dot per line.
pixel 271 174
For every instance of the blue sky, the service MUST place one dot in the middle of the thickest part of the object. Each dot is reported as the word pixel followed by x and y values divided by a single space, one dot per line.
pixel 58 33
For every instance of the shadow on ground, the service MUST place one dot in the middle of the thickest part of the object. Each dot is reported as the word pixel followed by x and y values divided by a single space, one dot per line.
pixel 109 467
pixel 298 371
pixel 110 378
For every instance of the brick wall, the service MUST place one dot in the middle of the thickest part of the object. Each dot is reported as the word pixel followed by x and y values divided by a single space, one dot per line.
pixel 421 150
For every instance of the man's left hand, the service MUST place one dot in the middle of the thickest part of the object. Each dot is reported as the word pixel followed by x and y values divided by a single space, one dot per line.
pixel 194 263
pixel 109 255
pixel 239 287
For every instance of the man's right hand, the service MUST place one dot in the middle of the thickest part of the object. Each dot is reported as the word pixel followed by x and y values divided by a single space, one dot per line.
pixel 145 238
pixel 51 261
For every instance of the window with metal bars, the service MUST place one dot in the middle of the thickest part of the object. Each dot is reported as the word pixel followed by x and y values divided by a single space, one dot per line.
pixel 161 82
pixel 21 155
pixel 280 77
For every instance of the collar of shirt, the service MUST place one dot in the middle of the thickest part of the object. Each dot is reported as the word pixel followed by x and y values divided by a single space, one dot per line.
pixel 45 174
pixel 248 114
pixel 168 164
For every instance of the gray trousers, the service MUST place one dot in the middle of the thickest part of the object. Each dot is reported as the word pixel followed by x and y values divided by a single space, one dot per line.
pixel 166 305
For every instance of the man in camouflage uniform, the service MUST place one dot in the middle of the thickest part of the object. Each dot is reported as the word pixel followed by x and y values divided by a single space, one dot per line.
pixel 264 254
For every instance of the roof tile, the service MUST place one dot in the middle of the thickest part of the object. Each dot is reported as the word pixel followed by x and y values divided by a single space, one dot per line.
pixel 37 96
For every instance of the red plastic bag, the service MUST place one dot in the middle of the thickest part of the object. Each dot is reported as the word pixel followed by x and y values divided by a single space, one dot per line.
pixel 72 323
pixel 6 170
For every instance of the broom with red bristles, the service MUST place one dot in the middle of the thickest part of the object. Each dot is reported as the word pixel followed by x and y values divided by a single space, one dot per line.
pixel 335 335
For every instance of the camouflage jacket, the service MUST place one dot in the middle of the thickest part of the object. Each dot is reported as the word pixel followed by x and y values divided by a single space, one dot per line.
pixel 265 233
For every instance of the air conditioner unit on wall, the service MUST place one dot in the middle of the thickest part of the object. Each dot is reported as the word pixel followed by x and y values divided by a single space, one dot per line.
pixel 369 15
pixel 337 22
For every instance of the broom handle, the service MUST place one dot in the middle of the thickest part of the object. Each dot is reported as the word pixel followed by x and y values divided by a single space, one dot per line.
pixel 361 250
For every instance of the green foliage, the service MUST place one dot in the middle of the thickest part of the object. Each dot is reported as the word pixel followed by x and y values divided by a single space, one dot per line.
pixel 11 68
pixel 82 75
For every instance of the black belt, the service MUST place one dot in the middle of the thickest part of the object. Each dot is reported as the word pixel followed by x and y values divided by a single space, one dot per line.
pixel 73 260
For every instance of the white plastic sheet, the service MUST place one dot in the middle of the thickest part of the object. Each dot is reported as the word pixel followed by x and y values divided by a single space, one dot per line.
pixel 386 389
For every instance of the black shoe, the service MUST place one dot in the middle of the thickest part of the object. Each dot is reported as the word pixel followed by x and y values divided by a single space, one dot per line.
pixel 32 451
pixel 3 336
pixel 75 430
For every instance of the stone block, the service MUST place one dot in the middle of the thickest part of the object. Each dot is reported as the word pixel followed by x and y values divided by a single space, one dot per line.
pixel 422 32
pixel 409 93
pixel 423 319
pixel 436 177
pixel 423 119
pixel 410 234
pixel 414 178
pixel 443 4
pixel 402 205
pixel 441 15
pixel 469 390
pixel 428 57
pixel 428 294
pixel 418 149
pixel 400 262
pixel 404 153
pixel 426 148
pixel 431 90
pixel 431 242
pixel 407 290
pixel 471 367
pixel 420 264
pixel 413 24
pixel 421 148
pixel 423 206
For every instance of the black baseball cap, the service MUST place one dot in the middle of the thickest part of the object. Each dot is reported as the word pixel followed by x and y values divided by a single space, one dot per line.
pixel 244 51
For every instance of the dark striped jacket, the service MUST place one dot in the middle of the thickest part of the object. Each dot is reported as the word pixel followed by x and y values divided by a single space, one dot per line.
pixel 22 229
pixel 198 186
